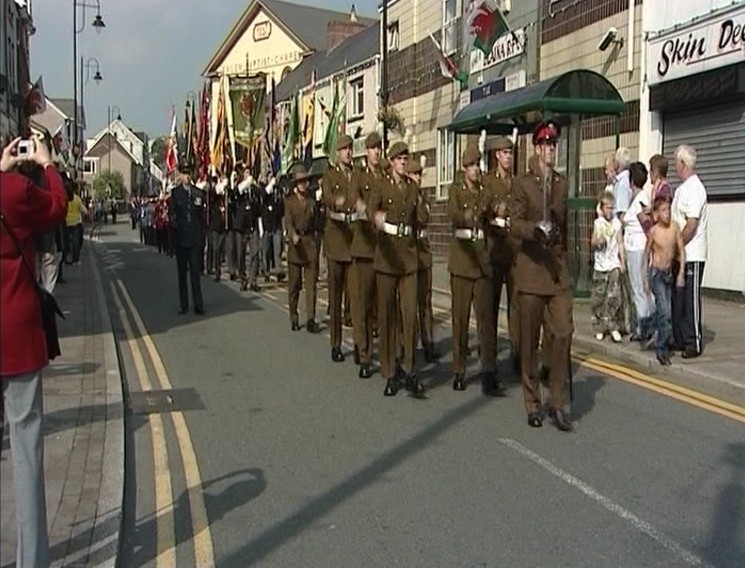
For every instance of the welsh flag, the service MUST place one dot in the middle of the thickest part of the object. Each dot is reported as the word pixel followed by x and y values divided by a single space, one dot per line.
pixel 447 67
pixel 485 25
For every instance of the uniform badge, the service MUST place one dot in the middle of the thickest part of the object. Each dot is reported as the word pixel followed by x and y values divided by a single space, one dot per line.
pixel 198 201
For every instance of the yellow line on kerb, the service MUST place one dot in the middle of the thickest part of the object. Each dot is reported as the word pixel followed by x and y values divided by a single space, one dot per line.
pixel 164 520
pixel 682 394
pixel 204 553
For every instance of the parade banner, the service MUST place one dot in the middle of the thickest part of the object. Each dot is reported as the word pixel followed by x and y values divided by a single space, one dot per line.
pixel 248 99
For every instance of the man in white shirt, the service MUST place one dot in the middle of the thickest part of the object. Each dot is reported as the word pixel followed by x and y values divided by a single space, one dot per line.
pixel 690 212
pixel 621 185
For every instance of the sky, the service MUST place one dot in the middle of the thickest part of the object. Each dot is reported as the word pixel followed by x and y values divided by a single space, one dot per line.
pixel 151 53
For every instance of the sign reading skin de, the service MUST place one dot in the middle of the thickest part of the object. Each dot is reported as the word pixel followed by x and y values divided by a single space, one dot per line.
pixel 715 42
pixel 506 47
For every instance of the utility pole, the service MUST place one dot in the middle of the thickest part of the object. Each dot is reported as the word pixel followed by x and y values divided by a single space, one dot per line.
pixel 384 71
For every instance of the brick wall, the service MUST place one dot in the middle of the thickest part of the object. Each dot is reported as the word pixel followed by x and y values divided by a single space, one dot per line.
pixel 577 16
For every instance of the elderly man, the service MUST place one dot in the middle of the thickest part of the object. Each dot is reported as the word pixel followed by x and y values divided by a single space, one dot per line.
pixel 690 212
pixel 622 184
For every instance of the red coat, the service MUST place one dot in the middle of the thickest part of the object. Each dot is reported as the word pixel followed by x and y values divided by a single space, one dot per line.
pixel 29 211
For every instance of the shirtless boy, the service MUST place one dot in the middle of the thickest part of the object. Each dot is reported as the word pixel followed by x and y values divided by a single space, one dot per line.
pixel 664 246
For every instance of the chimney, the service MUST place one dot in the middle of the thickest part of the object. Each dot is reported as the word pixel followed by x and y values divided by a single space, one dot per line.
pixel 337 31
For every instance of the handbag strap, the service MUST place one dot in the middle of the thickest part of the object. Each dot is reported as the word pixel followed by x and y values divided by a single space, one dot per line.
pixel 13 237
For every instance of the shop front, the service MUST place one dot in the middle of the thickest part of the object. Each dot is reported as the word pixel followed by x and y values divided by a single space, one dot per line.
pixel 696 80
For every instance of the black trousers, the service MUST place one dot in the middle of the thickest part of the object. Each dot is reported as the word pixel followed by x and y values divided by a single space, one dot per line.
pixel 187 260
pixel 218 250
pixel 686 306
pixel 235 250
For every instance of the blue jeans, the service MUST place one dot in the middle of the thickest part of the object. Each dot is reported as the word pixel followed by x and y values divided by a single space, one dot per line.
pixel 661 282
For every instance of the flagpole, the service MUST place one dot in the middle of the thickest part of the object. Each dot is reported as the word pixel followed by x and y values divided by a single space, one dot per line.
pixel 384 70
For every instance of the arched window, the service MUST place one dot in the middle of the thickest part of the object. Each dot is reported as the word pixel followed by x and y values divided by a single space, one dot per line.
pixel 285 72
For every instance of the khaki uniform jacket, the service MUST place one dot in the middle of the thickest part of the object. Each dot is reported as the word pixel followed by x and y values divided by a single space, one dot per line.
pixel 500 242
pixel 364 238
pixel 300 220
pixel 423 248
pixel 469 258
pixel 540 269
pixel 337 235
pixel 402 205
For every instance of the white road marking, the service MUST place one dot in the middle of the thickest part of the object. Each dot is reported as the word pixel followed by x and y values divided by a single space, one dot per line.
pixel 607 503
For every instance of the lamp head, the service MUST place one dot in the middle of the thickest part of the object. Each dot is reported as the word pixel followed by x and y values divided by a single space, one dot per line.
pixel 98 23
pixel 98 77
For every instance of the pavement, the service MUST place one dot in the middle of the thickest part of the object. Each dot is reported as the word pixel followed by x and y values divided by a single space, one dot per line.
pixel 717 372
pixel 83 433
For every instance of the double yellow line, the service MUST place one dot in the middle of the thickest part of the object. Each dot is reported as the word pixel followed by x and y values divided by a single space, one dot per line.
pixel 164 509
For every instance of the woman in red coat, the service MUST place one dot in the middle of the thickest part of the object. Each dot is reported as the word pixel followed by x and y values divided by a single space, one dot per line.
pixel 29 211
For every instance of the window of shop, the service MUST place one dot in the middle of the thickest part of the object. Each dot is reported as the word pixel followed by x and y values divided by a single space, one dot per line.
pixel 393 37
pixel 446 152
pixel 451 11
pixel 90 165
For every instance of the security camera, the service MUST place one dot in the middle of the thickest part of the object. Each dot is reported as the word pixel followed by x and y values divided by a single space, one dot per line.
pixel 609 38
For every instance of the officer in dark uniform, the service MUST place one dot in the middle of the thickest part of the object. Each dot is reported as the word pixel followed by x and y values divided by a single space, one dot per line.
pixel 187 219
pixel 248 209
pixel 500 242
pixel 272 212
pixel 397 210
pixel 364 240
pixel 234 237
pixel 538 209
pixel 471 274
pixel 218 225
pixel 302 257
pixel 424 270
pixel 339 205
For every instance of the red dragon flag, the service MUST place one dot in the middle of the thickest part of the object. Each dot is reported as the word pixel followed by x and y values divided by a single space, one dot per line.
pixel 447 67
pixel 484 25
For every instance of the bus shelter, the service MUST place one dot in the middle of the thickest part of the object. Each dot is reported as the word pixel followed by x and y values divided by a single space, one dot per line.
pixel 567 98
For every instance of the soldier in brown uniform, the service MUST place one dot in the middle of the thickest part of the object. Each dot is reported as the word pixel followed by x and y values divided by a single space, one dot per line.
pixel 471 274
pixel 539 219
pixel 397 209
pixel 500 243
pixel 336 186
pixel 424 270
pixel 302 257
pixel 363 253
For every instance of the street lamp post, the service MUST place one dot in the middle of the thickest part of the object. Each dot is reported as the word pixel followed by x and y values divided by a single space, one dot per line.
pixel 85 68
pixel 111 110
pixel 98 24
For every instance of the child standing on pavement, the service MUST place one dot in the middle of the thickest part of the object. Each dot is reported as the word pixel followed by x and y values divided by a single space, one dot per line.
pixel 664 245
pixel 607 297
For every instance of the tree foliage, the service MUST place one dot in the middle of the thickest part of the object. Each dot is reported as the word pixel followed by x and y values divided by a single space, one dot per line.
pixel 106 180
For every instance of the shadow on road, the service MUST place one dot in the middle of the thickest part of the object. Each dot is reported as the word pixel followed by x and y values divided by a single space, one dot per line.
pixel 585 393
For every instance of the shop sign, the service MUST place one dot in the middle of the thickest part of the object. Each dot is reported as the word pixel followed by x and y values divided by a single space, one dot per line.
pixel 508 83
pixel 716 42
pixel 506 47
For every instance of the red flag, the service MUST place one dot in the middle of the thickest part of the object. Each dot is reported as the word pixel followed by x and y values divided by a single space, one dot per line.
pixel 171 151
pixel 36 100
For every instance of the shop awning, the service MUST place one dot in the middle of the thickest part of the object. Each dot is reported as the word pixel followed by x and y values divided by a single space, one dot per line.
pixel 581 91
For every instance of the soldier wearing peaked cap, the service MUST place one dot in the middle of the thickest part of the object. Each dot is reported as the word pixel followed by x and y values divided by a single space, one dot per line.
pixel 398 211
pixel 500 242
pixel 336 186
pixel 300 222
pixel 424 270
pixel 538 211
pixel 363 253
pixel 471 274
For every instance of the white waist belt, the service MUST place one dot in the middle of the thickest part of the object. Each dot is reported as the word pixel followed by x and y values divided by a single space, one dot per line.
pixel 423 234
pixel 397 230
pixel 337 216
pixel 469 234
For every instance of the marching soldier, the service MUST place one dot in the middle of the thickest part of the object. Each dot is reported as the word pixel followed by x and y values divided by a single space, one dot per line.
pixel 234 236
pixel 247 222
pixel 187 220
pixel 363 254
pixel 470 274
pixel 424 270
pixel 218 227
pixel 397 210
pixel 300 219
pixel 539 219
pixel 500 243
pixel 339 206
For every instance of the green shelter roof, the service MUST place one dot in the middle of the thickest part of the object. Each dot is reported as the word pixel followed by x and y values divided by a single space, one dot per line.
pixel 581 91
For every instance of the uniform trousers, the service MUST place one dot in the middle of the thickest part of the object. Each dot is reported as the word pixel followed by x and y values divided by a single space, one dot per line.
pixel 686 305
pixel 513 317
pixel 503 279
pixel 296 274
pixel 187 260
pixel 233 246
pixel 362 280
pixel 271 252
pixel 23 404
pixel 554 313
pixel 476 291
pixel 218 249
pixel 424 304
pixel 251 243
pixel 337 272
pixel 396 311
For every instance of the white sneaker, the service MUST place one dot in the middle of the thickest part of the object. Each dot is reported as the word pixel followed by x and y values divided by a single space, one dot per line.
pixel 616 336
pixel 599 336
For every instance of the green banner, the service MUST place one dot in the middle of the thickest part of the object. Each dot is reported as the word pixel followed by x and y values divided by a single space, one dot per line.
pixel 248 99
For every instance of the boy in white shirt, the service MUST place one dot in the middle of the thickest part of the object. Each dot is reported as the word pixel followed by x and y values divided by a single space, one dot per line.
pixel 607 296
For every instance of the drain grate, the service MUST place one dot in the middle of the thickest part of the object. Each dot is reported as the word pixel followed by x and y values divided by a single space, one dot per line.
pixel 158 401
